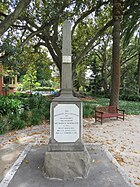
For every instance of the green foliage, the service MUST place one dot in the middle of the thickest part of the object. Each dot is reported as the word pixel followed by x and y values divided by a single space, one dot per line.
pixel 130 97
pixel 130 107
pixel 2 128
pixel 91 39
pixel 30 78
pixel 36 117
pixel 22 110
pixel 46 109
pixel 37 60
pixel 131 20
pixel 88 109
pixel 29 45
pixel 4 125
pixel 3 6
pixel 7 105
pixel 25 116
pixel 15 122
pixel 129 73
pixel 80 78
pixel 44 89
pixel 95 85
pixel 37 108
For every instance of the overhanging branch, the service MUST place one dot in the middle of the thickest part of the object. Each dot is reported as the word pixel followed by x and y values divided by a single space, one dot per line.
pixel 89 45
pixel 9 20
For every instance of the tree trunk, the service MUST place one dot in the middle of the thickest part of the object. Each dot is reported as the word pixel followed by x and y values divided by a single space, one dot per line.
pixel 138 73
pixel 115 78
pixel 104 74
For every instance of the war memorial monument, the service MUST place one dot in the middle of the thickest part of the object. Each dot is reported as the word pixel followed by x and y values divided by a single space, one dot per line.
pixel 67 157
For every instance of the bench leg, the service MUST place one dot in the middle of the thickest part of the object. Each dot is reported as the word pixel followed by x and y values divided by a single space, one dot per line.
pixel 101 118
pixel 95 118
pixel 101 121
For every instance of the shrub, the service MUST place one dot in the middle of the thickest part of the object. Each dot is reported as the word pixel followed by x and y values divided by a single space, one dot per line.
pixel 46 108
pixel 10 122
pixel 2 126
pixel 44 89
pixel 17 123
pixel 17 111
pixel 130 97
pixel 36 117
pixel 88 109
pixel 25 116
pixel 8 105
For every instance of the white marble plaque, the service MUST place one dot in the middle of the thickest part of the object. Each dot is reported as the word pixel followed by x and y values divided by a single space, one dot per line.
pixel 66 59
pixel 66 123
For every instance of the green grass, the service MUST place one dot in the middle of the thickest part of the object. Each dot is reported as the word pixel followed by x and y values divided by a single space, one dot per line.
pixel 130 107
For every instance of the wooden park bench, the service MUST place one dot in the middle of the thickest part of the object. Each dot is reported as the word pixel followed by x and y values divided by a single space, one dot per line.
pixel 102 112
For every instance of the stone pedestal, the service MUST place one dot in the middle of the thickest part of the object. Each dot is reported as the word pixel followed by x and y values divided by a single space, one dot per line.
pixel 67 157
pixel 67 165
pixel 66 124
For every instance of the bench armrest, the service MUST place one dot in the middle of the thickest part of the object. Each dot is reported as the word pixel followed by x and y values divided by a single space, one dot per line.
pixel 120 110
pixel 99 111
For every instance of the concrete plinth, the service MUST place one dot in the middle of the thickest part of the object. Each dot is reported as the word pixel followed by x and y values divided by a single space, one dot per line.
pixel 65 147
pixel 67 165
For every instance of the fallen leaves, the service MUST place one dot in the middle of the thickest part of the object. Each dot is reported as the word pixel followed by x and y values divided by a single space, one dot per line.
pixel 122 148
pixel 119 158
pixel 108 142
pixel 26 161
pixel 42 142
pixel 136 183
pixel 14 139
pixel 136 152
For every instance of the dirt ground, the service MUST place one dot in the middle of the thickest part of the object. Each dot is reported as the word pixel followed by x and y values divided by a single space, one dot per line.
pixel 121 138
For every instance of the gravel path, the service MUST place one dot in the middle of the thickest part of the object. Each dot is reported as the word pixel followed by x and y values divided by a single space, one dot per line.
pixel 121 138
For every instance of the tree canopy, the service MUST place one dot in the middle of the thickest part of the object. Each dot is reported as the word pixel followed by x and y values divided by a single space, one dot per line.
pixel 40 25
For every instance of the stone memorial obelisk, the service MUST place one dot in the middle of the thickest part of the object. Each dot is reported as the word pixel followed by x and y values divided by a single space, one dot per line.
pixel 66 156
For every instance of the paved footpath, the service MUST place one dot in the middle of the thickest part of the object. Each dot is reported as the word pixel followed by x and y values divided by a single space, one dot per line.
pixel 119 138
pixel 29 171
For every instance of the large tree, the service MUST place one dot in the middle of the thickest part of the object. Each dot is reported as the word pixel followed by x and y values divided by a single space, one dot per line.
pixel 115 82
pixel 41 25
pixel 11 18
pixel 43 20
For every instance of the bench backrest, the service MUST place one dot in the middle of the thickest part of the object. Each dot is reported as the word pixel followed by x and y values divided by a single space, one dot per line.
pixel 107 109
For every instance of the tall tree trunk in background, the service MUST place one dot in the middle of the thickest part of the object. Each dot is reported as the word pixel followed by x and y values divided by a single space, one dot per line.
pixel 115 78
pixel 138 79
pixel 138 73
pixel 103 71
